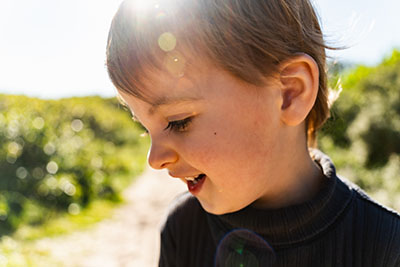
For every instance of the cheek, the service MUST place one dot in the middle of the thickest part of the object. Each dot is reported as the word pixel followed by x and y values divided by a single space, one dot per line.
pixel 217 152
pixel 204 149
pixel 231 145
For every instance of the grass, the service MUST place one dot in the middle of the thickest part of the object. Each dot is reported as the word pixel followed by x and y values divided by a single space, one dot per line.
pixel 20 248
pixel 63 224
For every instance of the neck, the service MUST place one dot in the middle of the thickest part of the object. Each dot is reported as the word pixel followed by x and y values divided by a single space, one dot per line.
pixel 299 180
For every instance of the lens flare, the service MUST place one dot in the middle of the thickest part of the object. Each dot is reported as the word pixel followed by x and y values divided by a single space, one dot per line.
pixel 143 5
pixel 167 41
pixel 175 63
pixel 244 248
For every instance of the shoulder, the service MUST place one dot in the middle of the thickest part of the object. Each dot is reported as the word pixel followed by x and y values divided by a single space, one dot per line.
pixel 183 203
pixel 183 206
pixel 185 234
pixel 362 198
pixel 375 223
pixel 184 213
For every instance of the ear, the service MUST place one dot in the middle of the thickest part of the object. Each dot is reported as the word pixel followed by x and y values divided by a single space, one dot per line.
pixel 299 79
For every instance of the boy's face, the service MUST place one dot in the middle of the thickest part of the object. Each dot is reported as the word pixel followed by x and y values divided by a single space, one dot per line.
pixel 208 122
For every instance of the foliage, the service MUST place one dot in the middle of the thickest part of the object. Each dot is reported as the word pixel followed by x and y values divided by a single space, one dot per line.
pixel 363 134
pixel 60 155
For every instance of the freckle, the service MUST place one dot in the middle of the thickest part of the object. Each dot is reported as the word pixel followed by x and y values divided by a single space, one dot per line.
pixel 215 133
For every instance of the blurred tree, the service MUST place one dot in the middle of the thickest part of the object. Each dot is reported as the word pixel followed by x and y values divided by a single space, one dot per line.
pixel 368 109
pixel 363 134
pixel 61 155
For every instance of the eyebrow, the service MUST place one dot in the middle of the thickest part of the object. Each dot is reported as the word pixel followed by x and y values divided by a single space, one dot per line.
pixel 166 101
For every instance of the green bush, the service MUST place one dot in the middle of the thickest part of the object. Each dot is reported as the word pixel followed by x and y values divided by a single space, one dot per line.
pixel 60 155
pixel 363 134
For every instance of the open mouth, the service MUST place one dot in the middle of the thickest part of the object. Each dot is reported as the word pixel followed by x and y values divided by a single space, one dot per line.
pixel 195 183
pixel 194 180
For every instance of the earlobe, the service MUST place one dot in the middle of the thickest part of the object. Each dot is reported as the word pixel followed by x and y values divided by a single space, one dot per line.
pixel 299 79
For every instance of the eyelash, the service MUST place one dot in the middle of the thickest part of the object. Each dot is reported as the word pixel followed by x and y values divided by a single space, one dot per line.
pixel 178 126
pixel 144 133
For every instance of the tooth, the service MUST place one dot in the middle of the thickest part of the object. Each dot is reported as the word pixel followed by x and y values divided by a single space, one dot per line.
pixel 190 178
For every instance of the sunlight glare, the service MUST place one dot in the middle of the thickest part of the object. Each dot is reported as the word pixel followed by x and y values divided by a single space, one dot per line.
pixel 145 5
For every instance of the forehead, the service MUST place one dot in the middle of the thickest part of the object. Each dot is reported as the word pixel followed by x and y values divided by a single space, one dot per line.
pixel 161 88
pixel 161 85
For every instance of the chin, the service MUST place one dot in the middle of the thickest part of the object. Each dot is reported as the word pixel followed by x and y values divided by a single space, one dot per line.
pixel 217 209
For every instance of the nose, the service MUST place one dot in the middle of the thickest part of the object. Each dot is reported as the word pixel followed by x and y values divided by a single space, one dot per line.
pixel 159 156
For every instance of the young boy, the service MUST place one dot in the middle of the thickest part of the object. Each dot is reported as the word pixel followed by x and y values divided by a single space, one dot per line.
pixel 232 93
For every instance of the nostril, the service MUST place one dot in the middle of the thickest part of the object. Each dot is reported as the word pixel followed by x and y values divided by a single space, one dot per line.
pixel 164 165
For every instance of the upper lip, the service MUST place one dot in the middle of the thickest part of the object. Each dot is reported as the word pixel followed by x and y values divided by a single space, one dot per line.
pixel 182 176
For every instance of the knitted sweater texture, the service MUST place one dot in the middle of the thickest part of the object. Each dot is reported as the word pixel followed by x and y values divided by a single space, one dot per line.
pixel 340 226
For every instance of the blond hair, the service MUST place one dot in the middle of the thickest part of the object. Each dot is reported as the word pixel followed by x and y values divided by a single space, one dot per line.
pixel 247 38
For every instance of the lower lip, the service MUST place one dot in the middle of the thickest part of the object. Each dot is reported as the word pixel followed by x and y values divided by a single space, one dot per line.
pixel 195 188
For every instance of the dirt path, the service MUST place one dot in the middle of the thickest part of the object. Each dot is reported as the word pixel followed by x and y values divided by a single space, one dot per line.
pixel 130 237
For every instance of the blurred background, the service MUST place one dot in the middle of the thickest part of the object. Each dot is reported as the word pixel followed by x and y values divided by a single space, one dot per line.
pixel 68 149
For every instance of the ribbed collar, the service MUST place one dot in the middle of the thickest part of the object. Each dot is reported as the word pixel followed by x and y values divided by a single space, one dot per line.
pixel 294 224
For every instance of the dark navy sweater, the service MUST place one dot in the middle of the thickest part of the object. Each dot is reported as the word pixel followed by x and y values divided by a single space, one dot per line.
pixel 340 226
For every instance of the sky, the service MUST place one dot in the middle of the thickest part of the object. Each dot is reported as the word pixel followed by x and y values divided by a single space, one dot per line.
pixel 56 48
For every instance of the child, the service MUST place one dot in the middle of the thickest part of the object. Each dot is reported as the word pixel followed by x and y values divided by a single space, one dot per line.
pixel 232 93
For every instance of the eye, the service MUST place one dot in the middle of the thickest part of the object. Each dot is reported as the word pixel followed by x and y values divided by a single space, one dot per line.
pixel 145 131
pixel 178 126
